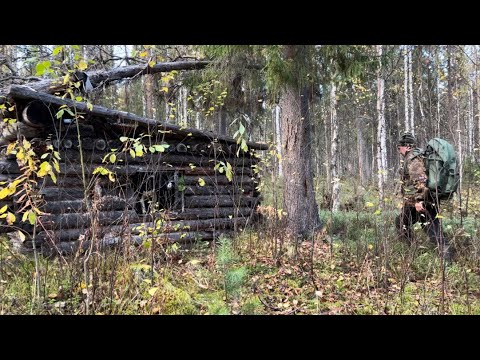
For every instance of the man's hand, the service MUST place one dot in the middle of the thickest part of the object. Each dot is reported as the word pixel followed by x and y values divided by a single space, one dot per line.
pixel 419 206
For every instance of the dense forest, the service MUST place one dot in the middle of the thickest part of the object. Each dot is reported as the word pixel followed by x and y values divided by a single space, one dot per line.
pixel 323 239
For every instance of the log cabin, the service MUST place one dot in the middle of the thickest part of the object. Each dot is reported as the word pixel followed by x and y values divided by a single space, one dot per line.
pixel 122 177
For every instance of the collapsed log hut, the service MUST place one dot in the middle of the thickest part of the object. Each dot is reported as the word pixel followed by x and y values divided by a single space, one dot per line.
pixel 157 179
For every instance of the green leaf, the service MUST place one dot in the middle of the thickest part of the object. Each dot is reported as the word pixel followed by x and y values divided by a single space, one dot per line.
pixel 32 217
pixel 201 182
pixel 57 50
pixel 241 130
pixel 113 158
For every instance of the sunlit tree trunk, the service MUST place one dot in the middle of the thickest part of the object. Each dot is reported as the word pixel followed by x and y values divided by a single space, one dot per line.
pixel 278 138
pixel 405 87
pixel 410 90
pixel 334 149
pixel 381 133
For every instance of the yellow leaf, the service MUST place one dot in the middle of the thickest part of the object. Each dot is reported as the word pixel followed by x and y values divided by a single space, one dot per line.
pixel 3 209
pixel 45 168
pixel 4 193
pixel 151 63
pixel 113 157
pixel 82 65
pixel 201 182
pixel 21 235
pixel 164 89
pixel 152 291
pixel 143 54
pixel 370 246
pixel 369 204
pixel 10 218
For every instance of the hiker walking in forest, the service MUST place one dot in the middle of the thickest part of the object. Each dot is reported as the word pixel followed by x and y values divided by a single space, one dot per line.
pixel 419 205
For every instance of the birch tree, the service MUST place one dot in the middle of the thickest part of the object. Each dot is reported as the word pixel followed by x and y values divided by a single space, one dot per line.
pixel 381 133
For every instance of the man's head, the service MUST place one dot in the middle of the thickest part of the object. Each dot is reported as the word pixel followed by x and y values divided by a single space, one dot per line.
pixel 406 142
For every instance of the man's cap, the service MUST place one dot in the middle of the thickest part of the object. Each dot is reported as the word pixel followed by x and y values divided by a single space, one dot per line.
pixel 407 139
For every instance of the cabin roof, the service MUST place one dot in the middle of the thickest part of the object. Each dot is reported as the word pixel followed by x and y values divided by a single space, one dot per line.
pixel 121 118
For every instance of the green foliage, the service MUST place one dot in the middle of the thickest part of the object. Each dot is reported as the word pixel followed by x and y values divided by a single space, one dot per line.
pixel 233 277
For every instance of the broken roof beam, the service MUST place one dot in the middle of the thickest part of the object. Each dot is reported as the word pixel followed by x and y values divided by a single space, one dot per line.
pixel 104 77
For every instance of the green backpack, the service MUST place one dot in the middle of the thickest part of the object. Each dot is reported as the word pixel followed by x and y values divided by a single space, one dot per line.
pixel 441 165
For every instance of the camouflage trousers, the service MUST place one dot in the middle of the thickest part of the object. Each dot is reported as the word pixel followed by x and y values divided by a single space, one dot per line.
pixel 429 222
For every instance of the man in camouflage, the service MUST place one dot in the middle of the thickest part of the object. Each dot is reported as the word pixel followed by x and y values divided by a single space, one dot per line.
pixel 418 203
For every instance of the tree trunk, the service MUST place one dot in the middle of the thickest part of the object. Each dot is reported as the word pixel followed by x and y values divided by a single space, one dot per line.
pixel 405 87
pixel 410 90
pixel 299 193
pixel 334 149
pixel 361 150
pixel 381 138
pixel 278 138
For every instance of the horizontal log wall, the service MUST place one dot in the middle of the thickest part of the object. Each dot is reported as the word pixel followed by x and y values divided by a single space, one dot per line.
pixel 211 203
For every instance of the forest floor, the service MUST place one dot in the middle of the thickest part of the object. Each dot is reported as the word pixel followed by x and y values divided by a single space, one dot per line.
pixel 356 267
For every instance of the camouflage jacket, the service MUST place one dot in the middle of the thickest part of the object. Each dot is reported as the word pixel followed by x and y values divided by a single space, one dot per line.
pixel 413 179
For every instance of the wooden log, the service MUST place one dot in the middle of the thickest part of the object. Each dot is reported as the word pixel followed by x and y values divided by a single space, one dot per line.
pixel 219 200
pixel 37 114
pixel 68 248
pixel 181 148
pixel 73 156
pixel 106 77
pixel 65 181
pixel 69 221
pixel 67 143
pixel 8 178
pixel 100 144
pixel 115 117
pixel 220 212
pixel 9 167
pixel 184 226
pixel 56 193
pixel 106 203
pixel 219 180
